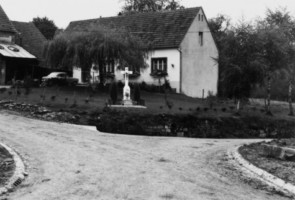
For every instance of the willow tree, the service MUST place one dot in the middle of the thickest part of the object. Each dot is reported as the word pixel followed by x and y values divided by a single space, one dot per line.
pixel 96 46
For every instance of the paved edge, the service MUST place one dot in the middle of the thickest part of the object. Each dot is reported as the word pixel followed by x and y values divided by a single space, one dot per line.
pixel 260 174
pixel 19 172
pixel 87 127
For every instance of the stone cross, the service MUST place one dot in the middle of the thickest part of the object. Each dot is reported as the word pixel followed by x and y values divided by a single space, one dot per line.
pixel 126 90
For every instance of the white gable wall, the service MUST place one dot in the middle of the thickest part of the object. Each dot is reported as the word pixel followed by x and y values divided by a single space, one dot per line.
pixel 199 70
pixel 173 69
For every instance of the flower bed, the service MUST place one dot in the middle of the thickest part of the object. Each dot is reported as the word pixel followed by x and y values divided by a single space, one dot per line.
pixel 7 166
pixel 283 169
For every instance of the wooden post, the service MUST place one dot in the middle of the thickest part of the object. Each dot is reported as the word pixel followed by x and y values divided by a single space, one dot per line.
pixel 203 94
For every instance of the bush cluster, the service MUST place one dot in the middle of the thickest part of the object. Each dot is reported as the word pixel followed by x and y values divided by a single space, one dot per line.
pixel 188 125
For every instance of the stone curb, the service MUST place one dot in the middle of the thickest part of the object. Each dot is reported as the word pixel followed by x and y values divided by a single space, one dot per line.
pixel 260 174
pixel 278 152
pixel 19 172
pixel 87 127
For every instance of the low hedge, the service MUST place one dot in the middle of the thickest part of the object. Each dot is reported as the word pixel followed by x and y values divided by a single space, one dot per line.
pixel 123 122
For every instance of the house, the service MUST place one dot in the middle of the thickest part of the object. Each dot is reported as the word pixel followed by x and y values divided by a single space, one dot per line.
pixel 21 47
pixel 182 43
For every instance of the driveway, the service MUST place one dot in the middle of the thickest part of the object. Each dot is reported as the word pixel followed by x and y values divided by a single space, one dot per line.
pixel 68 162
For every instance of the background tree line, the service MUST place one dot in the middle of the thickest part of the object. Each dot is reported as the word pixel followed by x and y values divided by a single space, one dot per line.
pixel 255 54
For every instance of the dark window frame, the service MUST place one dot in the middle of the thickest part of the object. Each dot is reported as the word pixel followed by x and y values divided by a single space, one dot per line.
pixel 201 38
pixel 159 64
pixel 109 67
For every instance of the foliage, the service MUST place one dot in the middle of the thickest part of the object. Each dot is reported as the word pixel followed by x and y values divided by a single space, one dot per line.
pixel 139 6
pixel 114 92
pixel 188 125
pixel 239 62
pixel 137 97
pixel 250 54
pixel 159 74
pixel 46 26
pixel 98 46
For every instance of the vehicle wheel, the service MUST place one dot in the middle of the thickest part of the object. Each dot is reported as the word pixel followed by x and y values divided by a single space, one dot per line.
pixel 43 84
pixel 73 83
pixel 49 83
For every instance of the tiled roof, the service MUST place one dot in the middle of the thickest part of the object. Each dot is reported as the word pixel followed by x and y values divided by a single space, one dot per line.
pixel 5 24
pixel 31 38
pixel 163 29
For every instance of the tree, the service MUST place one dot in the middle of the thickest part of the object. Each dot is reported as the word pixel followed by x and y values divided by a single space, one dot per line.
pixel 114 92
pixel 97 46
pixel 137 6
pixel 282 21
pixel 276 32
pixel 46 26
pixel 239 60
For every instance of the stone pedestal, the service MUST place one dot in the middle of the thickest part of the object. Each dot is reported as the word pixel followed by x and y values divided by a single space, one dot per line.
pixel 127 102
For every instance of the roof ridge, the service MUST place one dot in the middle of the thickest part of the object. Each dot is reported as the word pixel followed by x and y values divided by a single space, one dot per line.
pixel 21 22
pixel 139 14
pixel 163 29
pixel 4 20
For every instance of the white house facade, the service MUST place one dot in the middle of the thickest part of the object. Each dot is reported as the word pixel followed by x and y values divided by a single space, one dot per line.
pixel 184 49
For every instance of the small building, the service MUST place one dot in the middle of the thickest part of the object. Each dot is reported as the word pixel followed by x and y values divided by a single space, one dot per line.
pixel 182 43
pixel 21 46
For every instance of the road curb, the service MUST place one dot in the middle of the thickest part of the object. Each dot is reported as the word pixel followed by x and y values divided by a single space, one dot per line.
pixel 260 174
pixel 19 172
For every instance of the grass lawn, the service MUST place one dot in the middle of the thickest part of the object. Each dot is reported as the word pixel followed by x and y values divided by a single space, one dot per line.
pixel 62 98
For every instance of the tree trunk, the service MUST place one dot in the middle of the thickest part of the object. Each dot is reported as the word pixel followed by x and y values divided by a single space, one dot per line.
pixel 238 105
pixel 101 74
pixel 268 112
pixel 290 98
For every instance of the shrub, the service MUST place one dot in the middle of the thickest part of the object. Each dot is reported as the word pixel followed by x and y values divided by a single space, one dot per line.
pixel 188 125
pixel 28 83
pixel 136 95
pixel 2 90
pixel 114 92
pixel 211 99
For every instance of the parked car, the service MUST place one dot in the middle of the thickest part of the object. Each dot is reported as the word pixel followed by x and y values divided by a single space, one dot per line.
pixel 58 78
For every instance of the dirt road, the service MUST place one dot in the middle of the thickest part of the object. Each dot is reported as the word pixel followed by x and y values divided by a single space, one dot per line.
pixel 67 162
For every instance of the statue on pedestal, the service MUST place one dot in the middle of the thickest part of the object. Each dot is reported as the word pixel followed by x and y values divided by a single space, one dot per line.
pixel 126 90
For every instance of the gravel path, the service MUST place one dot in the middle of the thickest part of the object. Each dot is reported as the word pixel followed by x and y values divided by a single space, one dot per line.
pixel 68 162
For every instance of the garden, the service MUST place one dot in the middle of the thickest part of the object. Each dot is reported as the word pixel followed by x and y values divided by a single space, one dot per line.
pixel 7 166
pixel 167 113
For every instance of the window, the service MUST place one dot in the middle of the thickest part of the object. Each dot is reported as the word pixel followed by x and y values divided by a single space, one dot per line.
pixel 201 38
pixel 199 17
pixel 159 64
pixel 202 17
pixel 61 75
pixel 109 67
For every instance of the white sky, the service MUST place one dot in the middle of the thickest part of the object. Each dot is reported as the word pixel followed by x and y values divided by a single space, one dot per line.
pixel 64 11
